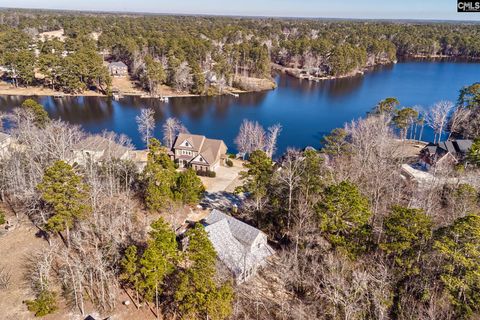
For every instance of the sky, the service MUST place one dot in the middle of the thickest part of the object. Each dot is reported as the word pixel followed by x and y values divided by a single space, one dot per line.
pixel 362 9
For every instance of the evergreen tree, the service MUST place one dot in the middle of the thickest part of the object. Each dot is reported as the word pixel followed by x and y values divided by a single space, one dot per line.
pixel 407 232
pixel 404 118
pixel 159 176
pixel 386 106
pixel 459 247
pixel 344 214
pixel 158 260
pixel 198 79
pixel 336 143
pixel 189 187
pixel 21 64
pixel 41 117
pixel 197 295
pixel 258 176
pixel 131 269
pixel 154 74
pixel 45 303
pixel 473 155
pixel 66 194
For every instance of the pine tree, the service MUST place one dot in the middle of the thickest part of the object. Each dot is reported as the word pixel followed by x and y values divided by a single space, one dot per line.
pixel 197 295
pixel 66 194
pixel 336 144
pixel 158 260
pixel 258 176
pixel 407 232
pixel 344 214
pixel 45 303
pixel 189 187
pixel 473 156
pixel 41 117
pixel 159 176
pixel 131 270
pixel 459 247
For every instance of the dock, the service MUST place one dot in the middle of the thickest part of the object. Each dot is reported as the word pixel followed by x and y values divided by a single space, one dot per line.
pixel 149 96
pixel 236 95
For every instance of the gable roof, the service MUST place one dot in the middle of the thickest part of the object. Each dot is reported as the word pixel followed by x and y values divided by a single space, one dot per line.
pixel 4 137
pixel 454 147
pixel 210 149
pixel 97 143
pixel 232 241
pixel 195 140
pixel 118 64
pixel 240 230
pixel 464 146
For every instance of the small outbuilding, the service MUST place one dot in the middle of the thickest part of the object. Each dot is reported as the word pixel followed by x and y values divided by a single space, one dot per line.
pixel 118 69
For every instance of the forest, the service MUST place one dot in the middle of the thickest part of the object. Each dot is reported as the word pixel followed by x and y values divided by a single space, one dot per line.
pixel 354 239
pixel 204 55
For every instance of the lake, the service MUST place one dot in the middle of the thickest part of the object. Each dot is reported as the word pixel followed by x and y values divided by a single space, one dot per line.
pixel 306 110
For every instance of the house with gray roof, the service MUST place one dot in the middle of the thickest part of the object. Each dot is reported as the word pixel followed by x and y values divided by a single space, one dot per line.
pixel 5 142
pixel 198 152
pixel 118 69
pixel 98 149
pixel 242 248
pixel 444 154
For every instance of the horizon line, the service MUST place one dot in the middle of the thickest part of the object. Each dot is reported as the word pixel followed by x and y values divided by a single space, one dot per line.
pixel 113 12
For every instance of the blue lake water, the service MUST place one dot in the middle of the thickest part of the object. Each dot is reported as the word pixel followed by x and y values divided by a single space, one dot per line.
pixel 306 110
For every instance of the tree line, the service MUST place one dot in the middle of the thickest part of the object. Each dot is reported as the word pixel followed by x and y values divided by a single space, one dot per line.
pixel 204 55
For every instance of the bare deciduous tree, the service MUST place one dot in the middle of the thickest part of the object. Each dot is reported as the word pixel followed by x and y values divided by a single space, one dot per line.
pixel 171 128
pixel 251 137
pixel 5 278
pixel 272 137
pixel 146 124
pixel 437 118
pixel 459 117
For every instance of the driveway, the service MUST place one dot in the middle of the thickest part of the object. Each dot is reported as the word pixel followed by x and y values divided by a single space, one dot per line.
pixel 225 177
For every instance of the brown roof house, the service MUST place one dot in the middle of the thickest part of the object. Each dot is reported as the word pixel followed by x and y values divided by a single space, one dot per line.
pixel 118 69
pixel 444 155
pixel 198 152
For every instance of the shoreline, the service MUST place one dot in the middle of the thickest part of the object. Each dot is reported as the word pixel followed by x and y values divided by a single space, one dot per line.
pixel 32 91
pixel 296 72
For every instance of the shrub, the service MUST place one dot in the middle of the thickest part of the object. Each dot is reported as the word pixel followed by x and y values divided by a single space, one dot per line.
pixel 2 218
pixel 208 173
pixel 231 156
pixel 229 163
pixel 45 303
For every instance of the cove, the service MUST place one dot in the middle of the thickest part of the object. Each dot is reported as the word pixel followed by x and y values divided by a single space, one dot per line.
pixel 306 110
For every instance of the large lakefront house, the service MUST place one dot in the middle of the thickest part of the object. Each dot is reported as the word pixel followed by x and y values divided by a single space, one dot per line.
pixel 444 154
pixel 198 152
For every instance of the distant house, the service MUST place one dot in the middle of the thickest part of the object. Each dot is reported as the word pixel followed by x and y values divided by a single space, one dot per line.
pixel 5 142
pixel 118 69
pixel 98 149
pixel 242 248
pixel 444 154
pixel 198 152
